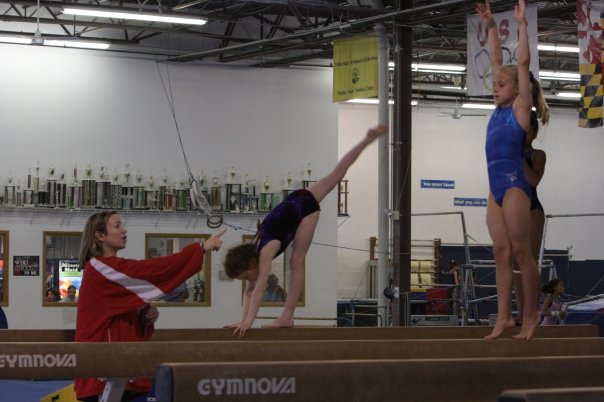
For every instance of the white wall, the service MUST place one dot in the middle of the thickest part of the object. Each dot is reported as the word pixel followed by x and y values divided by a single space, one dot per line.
pixel 63 106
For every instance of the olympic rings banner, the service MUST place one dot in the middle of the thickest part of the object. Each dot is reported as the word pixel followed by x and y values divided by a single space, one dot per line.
pixel 478 79
pixel 355 68
pixel 590 19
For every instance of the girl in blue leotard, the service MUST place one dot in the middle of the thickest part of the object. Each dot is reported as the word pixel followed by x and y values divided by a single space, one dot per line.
pixel 292 221
pixel 508 206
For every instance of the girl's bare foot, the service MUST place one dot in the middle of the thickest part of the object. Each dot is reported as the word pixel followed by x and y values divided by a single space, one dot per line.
pixel 529 325
pixel 501 325
pixel 280 323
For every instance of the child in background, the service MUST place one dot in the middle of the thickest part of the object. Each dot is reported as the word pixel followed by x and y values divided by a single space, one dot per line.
pixel 552 309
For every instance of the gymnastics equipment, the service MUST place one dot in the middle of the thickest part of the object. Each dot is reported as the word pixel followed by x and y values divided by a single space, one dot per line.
pixel 468 379
pixel 307 334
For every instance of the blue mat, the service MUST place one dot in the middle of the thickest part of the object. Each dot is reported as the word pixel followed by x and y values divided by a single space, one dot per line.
pixel 29 391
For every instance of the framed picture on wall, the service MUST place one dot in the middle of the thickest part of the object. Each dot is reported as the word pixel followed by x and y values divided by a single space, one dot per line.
pixel 61 271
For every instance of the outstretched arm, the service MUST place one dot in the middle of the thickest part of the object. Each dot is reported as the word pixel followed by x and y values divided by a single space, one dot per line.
pixel 496 55
pixel 524 100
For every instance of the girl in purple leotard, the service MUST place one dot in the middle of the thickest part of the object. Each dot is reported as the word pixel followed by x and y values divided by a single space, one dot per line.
pixel 292 221
pixel 508 217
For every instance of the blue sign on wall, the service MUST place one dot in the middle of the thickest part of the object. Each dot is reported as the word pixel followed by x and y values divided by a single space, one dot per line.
pixel 469 202
pixel 446 184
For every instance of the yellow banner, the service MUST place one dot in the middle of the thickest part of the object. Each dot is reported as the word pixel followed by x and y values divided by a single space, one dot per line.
pixel 355 68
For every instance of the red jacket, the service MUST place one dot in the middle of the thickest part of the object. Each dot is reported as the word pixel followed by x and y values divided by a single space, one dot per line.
pixel 113 291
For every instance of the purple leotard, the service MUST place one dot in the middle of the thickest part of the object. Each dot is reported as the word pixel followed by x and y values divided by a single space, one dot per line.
pixel 283 220
pixel 535 203
pixel 504 147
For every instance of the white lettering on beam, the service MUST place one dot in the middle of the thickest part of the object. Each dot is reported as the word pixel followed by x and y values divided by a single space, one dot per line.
pixel 247 386
pixel 38 360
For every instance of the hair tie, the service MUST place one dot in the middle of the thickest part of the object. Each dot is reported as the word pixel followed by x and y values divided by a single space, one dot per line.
pixel 531 76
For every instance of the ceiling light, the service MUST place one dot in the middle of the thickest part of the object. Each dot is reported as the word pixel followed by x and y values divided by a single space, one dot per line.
pixel 368 101
pixel 15 39
pixel 440 67
pixel 453 87
pixel 435 68
pixel 486 106
pixel 559 76
pixel 576 95
pixel 173 19
pixel 547 47
pixel 77 43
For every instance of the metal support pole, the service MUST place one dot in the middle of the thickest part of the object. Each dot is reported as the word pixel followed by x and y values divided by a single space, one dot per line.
pixel 383 174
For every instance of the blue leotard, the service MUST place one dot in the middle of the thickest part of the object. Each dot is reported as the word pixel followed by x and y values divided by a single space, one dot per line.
pixel 504 147
pixel 282 221
pixel 535 203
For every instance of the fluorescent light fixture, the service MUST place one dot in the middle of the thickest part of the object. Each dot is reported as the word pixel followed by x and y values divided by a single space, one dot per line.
pixel 559 75
pixel 435 68
pixel 373 101
pixel 441 67
pixel 15 39
pixel 547 47
pixel 486 106
pixel 173 19
pixel 575 95
pixel 455 87
pixel 77 43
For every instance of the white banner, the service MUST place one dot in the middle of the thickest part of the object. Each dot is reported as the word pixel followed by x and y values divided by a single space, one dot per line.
pixel 479 79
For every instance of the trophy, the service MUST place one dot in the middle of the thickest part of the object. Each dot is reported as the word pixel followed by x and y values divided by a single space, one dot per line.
pixel 51 188
pixel 115 198
pixel 233 194
pixel 152 194
pixel 36 184
pixel 61 192
pixel 162 200
pixel 103 189
pixel 10 195
pixel 88 189
pixel 215 195
pixel 19 195
pixel 28 193
pixel 139 194
pixel 266 198
pixel 42 193
pixel 74 197
pixel 307 182
pixel 127 190
pixel 182 196
pixel 288 186
pixel 247 196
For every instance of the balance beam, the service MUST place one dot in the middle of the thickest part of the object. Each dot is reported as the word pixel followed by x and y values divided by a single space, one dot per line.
pixel 583 394
pixel 58 360
pixel 305 333
pixel 440 380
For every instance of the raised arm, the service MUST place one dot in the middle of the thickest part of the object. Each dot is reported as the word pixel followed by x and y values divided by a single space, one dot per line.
pixel 524 100
pixel 496 55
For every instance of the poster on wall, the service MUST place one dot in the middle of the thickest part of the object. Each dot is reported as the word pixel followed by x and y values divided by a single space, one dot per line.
pixel 26 265
pixel 69 274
